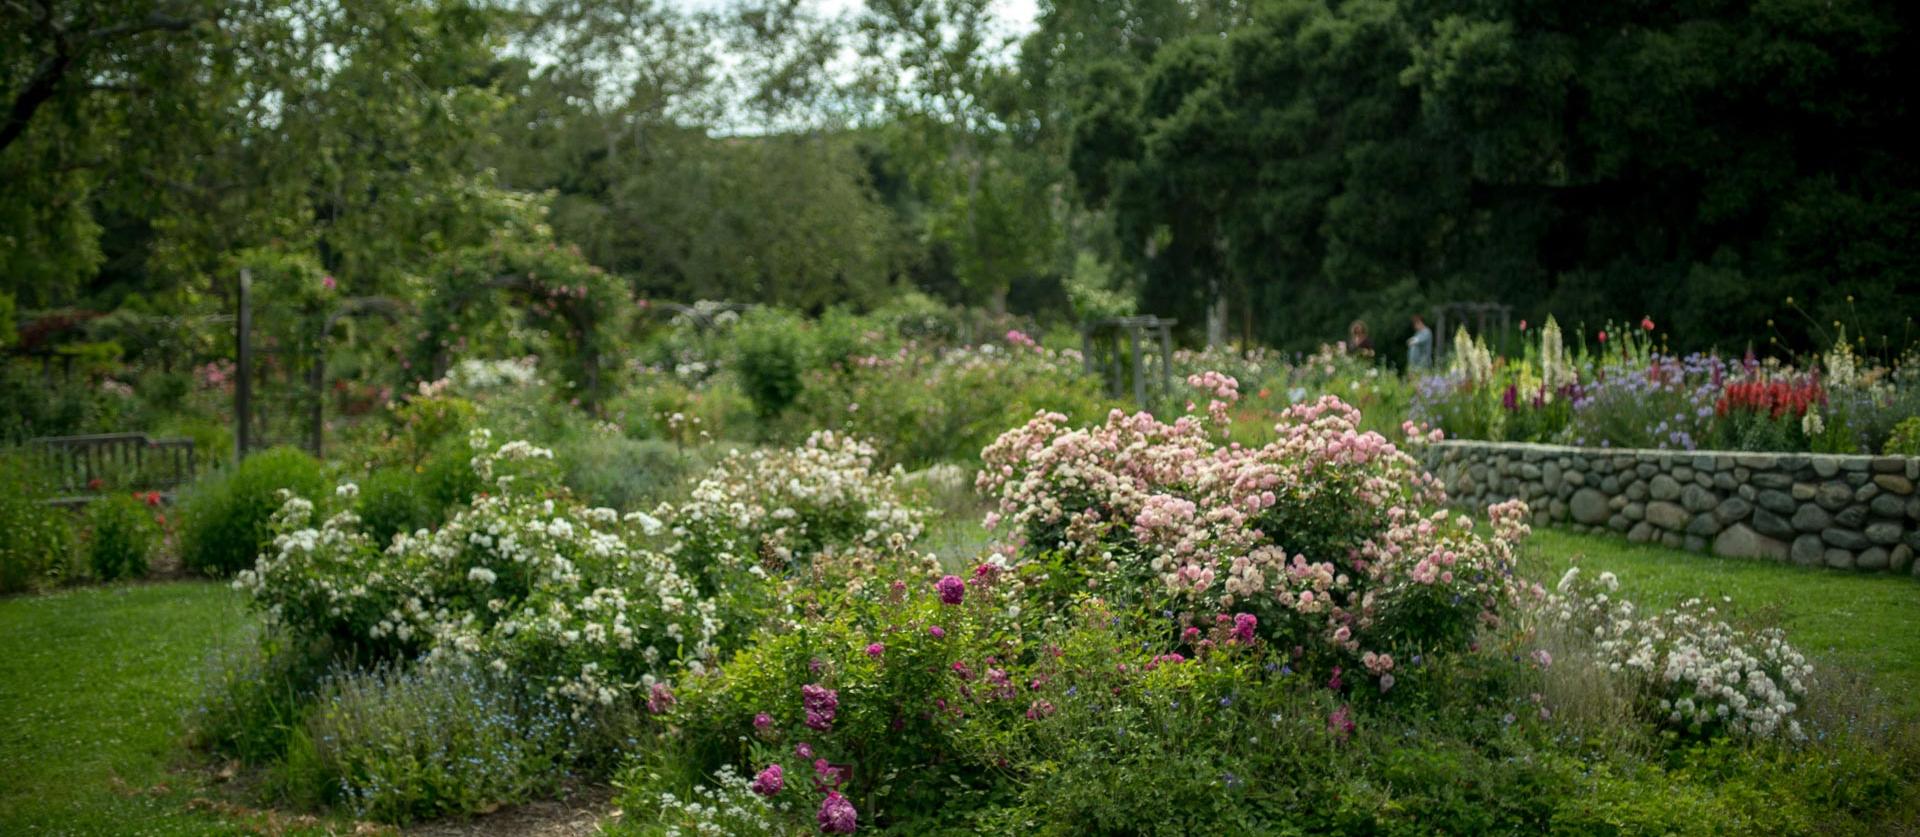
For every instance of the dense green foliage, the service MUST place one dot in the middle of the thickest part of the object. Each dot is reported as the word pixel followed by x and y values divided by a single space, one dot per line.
pixel 224 519
pixel 1271 168
pixel 1702 160
pixel 35 541
pixel 121 536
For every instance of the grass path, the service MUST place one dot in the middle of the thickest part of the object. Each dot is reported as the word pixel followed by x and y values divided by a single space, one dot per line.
pixel 94 686
pixel 1864 621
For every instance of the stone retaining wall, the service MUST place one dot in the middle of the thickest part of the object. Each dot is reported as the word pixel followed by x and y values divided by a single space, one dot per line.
pixel 1853 512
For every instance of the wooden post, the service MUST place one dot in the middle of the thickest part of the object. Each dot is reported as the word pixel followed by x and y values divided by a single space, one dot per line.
pixel 1139 373
pixel 242 379
pixel 317 381
pixel 1166 361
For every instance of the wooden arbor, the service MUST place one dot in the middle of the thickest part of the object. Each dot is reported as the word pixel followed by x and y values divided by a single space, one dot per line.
pixel 1134 352
pixel 1479 317
pixel 391 309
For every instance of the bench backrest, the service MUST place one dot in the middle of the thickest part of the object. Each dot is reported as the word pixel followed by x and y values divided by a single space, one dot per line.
pixel 88 465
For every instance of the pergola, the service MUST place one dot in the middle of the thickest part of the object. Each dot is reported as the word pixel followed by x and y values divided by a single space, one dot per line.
pixel 1126 350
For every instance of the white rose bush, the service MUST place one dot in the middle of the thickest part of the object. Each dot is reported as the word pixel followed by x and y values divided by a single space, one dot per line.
pixel 1690 670
pixel 518 581
pixel 768 511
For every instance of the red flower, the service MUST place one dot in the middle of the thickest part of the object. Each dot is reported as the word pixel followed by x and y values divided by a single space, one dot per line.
pixel 1603 337
pixel 1646 323
pixel 95 484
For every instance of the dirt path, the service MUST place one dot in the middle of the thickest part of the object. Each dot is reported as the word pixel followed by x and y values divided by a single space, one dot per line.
pixel 578 815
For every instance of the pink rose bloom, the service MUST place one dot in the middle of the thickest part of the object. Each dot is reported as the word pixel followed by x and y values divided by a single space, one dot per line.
pixel 1340 723
pixel 952 590
pixel 837 815
pixel 769 781
pixel 875 650
pixel 821 704
pixel 1244 625
pixel 937 632
pixel 659 699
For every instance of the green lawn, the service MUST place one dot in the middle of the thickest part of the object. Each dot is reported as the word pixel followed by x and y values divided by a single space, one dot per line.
pixel 94 686
pixel 1859 620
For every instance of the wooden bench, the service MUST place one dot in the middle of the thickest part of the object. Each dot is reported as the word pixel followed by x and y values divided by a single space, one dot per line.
pixel 85 466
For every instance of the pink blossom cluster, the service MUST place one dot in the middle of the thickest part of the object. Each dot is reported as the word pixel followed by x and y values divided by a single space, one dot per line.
pixel 821 705
pixel 1325 521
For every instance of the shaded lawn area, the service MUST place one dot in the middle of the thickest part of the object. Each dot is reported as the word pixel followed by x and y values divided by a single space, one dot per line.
pixel 1869 622
pixel 95 684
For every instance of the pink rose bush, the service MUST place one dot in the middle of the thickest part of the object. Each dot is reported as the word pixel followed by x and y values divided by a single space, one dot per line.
pixel 1323 535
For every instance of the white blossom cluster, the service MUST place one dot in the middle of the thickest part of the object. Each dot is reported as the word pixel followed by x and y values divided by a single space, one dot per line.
pixel 1704 676
pixel 770 510
pixel 477 375
pixel 729 807
pixel 520 582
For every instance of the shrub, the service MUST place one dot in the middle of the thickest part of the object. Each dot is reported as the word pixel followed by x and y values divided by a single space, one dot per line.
pixel 772 511
pixel 399 745
pixel 36 540
pixel 624 474
pixel 447 479
pixel 394 500
pixel 772 354
pixel 553 592
pixel 428 423
pixel 1905 439
pixel 251 696
pixel 226 518
pixel 1321 535
pixel 920 409
pixel 122 531
pixel 866 688
pixel 663 407
pixel 1691 672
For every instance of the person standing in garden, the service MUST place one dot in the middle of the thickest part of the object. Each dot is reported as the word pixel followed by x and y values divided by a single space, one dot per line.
pixel 1420 345
pixel 1358 341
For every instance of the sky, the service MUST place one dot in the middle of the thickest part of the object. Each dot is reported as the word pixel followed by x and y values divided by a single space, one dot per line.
pixel 1017 15
pixel 1013 19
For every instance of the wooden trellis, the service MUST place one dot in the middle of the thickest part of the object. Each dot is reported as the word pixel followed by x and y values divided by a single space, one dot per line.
pixel 1131 352
pixel 390 309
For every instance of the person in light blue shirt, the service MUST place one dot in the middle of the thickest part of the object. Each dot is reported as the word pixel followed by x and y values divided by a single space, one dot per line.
pixel 1420 346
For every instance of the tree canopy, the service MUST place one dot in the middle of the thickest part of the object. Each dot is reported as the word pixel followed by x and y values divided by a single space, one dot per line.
pixel 1266 169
